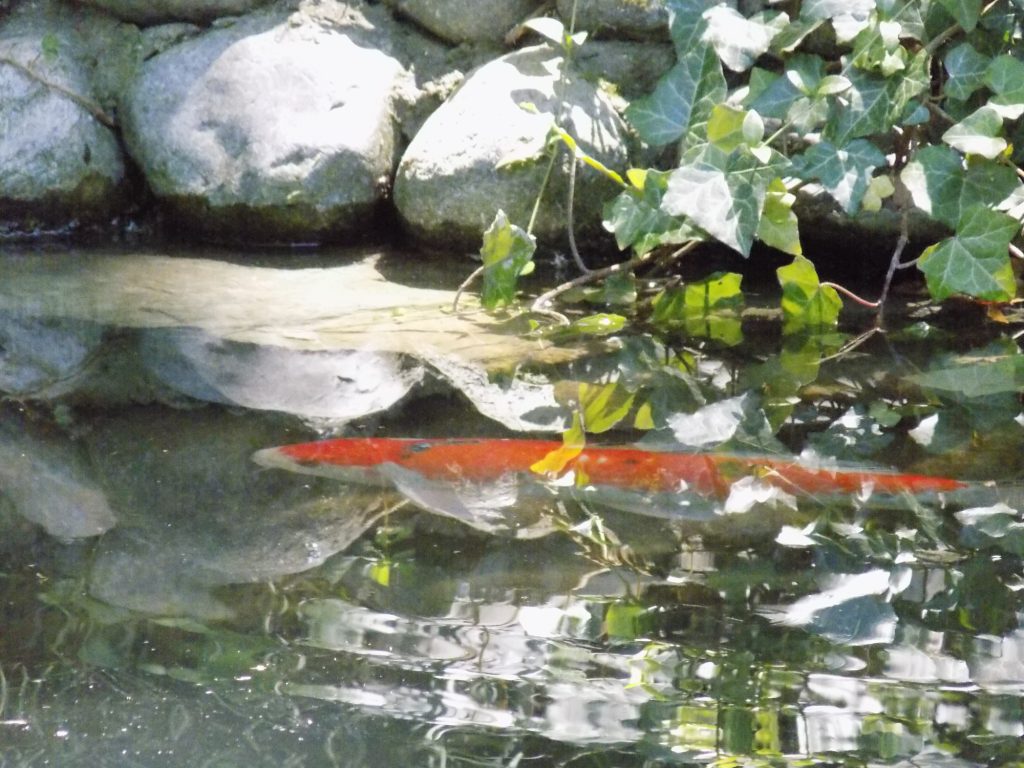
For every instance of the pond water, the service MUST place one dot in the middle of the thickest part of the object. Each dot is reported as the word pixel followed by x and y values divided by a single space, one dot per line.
pixel 165 601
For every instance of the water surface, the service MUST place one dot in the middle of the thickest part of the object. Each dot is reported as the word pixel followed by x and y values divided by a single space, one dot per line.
pixel 167 602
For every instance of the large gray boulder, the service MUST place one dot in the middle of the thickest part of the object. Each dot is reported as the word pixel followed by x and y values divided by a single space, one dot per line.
pixel 161 11
pixel 467 21
pixel 59 160
pixel 449 184
pixel 270 130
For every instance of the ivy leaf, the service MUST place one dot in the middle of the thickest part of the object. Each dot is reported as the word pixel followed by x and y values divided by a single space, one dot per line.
pixel 723 194
pixel 707 308
pixel 805 302
pixel 845 172
pixel 739 41
pixel 874 103
pixel 942 187
pixel 684 96
pixel 978 134
pixel 636 219
pixel 549 28
pixel 712 308
pixel 975 260
pixel 975 375
pixel 848 17
pixel 507 252
pixel 878 189
pixel 730 128
pixel 965 12
pixel 790 38
pixel 779 227
pixel 1005 76
pixel 967 71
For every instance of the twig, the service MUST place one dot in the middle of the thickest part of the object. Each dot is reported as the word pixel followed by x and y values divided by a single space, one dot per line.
pixel 465 284
pixel 894 263
pixel 88 105
pixel 851 345
pixel 590 277
pixel 1016 252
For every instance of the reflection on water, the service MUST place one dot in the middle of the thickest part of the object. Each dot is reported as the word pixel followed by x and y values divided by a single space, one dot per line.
pixel 167 602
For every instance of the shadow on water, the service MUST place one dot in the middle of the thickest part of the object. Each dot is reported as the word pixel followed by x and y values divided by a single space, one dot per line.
pixel 166 601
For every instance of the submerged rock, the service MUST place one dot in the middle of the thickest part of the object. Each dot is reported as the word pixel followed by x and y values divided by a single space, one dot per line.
pixel 331 384
pixel 467 21
pixel 47 483
pixel 60 161
pixel 449 184
pixel 197 514
pixel 38 354
pixel 267 131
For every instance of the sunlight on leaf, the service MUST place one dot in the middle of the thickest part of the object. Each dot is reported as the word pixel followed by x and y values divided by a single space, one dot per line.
pixel 739 41
pixel 779 227
pixel 978 134
pixel 943 187
pixel 723 193
pixel 844 171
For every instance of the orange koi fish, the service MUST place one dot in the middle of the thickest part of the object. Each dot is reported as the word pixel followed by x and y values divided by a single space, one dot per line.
pixel 374 460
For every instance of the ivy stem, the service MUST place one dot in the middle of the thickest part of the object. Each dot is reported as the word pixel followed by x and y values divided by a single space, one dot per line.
pixel 1016 252
pixel 850 295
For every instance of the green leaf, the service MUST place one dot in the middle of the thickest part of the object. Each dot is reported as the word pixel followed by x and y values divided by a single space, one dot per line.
pixel 965 12
pixel 878 47
pixel 874 104
pixel 967 71
pixel 779 227
pixel 598 325
pixel 723 194
pixel 790 38
pixel 942 187
pixel 975 375
pixel 1005 76
pixel 506 252
pixel 848 17
pixel 712 308
pixel 549 28
pixel 603 405
pixel 682 98
pixel 805 302
pixel 878 189
pixel 978 134
pixel 636 218
pixel 739 41
pixel 730 128
pixel 975 260
pixel 707 308
pixel 844 172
